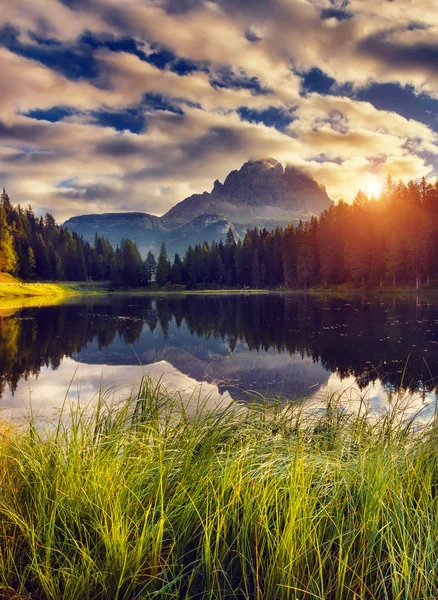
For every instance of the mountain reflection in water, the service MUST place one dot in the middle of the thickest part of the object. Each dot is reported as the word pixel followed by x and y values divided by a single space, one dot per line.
pixel 270 344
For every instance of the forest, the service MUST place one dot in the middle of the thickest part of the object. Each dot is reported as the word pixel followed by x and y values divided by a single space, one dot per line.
pixel 391 240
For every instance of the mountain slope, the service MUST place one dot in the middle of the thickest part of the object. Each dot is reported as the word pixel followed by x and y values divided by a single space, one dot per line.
pixel 261 193
pixel 147 231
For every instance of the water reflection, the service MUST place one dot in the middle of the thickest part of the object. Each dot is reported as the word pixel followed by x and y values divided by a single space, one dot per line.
pixel 270 344
pixel 74 384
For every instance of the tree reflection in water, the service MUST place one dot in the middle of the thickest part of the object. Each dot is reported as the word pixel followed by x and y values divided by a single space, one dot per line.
pixel 392 340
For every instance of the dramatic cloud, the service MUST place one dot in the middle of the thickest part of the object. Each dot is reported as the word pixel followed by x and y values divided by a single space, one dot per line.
pixel 133 106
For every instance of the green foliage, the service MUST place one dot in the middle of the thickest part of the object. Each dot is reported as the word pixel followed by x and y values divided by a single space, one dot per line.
pixel 8 256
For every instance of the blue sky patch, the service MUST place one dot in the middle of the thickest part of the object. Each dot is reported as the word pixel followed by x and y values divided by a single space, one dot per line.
pixel 273 116
pixel 53 114
pixel 128 119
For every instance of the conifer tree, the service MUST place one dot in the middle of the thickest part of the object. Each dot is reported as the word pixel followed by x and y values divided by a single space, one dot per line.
pixel 131 264
pixel 255 271
pixel 176 270
pixel 150 267
pixel 163 266
pixel 8 256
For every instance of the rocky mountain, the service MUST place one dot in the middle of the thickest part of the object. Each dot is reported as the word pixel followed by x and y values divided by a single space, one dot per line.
pixel 261 193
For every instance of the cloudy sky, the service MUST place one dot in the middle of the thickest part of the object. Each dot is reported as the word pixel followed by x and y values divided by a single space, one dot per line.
pixel 110 105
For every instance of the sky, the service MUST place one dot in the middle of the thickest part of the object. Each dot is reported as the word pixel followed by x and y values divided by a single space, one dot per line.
pixel 109 105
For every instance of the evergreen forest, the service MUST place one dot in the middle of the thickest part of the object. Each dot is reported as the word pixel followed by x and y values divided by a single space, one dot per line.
pixel 391 240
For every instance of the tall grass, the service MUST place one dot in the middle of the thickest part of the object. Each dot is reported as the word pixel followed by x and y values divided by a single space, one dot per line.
pixel 151 500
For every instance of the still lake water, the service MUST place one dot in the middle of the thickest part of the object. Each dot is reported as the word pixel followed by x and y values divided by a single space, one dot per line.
pixel 270 344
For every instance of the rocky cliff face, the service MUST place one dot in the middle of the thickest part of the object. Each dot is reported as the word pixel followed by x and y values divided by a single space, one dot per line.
pixel 260 192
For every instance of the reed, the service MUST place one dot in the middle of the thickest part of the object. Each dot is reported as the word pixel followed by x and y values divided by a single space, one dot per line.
pixel 157 499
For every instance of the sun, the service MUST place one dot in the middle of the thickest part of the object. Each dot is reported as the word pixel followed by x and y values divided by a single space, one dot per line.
pixel 373 186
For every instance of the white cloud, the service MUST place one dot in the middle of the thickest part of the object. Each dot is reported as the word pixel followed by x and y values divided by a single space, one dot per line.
pixel 178 155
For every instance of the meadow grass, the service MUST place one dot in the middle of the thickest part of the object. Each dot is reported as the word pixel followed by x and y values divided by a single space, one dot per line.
pixel 152 500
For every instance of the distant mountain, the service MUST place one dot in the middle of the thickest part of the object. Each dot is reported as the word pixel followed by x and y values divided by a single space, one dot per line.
pixel 201 229
pixel 148 231
pixel 262 193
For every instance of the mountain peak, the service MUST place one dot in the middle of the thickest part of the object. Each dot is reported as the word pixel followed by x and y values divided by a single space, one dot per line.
pixel 261 193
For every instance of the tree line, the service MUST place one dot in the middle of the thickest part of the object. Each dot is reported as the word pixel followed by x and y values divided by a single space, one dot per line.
pixel 393 238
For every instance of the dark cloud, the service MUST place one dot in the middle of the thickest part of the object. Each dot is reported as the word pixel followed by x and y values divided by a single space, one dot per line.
pixel 272 116
pixel 336 13
pixel 23 133
pixel 255 8
pixel 9 35
pixel 215 141
pixel 182 6
pixel 323 157
pixel 161 102
pixel 119 147
pixel 89 193
pixel 76 4
pixel 251 36
pixel 94 41
pixel 30 158
pixel 225 77
pixel 400 56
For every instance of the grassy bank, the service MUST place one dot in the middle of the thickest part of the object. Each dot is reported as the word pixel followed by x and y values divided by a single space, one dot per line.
pixel 249 503
pixel 12 289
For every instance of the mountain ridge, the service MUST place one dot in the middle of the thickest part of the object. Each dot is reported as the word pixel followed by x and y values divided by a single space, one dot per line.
pixel 262 193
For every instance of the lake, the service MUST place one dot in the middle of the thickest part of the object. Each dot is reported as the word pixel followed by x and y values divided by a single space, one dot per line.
pixel 236 346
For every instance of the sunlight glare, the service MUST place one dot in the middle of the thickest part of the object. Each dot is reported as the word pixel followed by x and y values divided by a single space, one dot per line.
pixel 373 187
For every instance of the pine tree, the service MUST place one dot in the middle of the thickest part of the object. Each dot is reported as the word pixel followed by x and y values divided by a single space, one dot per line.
pixel 229 260
pixel 216 266
pixel 163 266
pixel 394 258
pixel 131 264
pixel 176 270
pixel 150 267
pixel 31 264
pixel 255 271
pixel 6 203
pixel 289 256
pixel 8 256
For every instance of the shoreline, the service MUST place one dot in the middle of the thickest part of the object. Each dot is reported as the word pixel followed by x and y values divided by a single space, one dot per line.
pixel 13 290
